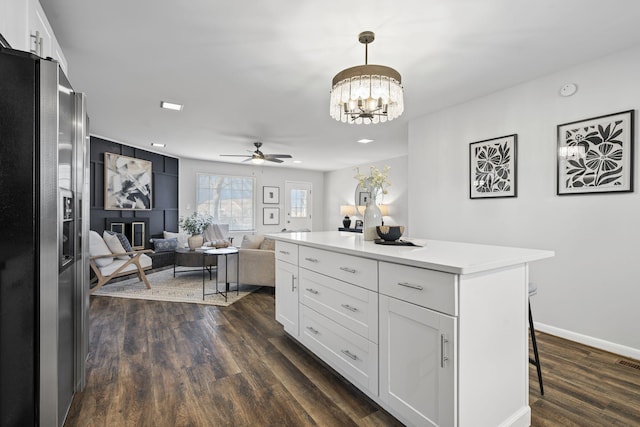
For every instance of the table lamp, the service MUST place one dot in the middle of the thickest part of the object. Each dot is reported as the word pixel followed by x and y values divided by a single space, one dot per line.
pixel 347 210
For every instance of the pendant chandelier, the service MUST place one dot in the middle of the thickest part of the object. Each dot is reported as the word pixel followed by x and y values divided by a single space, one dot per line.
pixel 366 93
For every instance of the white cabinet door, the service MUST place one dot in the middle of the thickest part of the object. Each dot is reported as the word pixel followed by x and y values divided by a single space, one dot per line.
pixel 42 41
pixel 417 363
pixel 40 33
pixel 287 296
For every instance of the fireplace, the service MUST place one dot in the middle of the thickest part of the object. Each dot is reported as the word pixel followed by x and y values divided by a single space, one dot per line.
pixel 135 229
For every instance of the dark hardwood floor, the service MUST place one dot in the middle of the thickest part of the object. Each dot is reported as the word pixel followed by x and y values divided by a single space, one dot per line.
pixel 172 364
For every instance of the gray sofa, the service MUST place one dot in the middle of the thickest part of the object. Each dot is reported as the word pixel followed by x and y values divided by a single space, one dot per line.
pixel 257 261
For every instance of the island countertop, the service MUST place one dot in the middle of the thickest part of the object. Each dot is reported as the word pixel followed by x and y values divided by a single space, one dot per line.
pixel 450 257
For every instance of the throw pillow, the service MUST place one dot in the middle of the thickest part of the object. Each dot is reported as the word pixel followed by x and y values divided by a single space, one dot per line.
pixel 97 247
pixel 114 243
pixel 165 245
pixel 268 244
pixel 182 238
pixel 123 241
pixel 251 241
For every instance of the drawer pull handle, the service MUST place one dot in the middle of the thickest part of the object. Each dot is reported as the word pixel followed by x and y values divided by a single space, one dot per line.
pixel 443 356
pixel 313 330
pixel 313 291
pixel 348 270
pixel 285 252
pixel 311 259
pixel 349 354
pixel 348 307
pixel 409 285
pixel 293 283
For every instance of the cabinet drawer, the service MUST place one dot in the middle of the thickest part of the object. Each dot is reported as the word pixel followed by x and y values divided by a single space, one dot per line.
pixel 287 252
pixel 351 306
pixel 353 356
pixel 359 271
pixel 427 288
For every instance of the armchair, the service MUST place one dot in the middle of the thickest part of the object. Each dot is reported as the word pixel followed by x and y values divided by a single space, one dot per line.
pixel 257 261
pixel 108 264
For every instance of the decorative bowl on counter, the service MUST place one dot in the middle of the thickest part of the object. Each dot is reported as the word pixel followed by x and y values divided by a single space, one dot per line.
pixel 390 233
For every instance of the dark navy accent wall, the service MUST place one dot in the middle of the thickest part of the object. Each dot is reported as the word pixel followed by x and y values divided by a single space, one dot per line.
pixel 164 212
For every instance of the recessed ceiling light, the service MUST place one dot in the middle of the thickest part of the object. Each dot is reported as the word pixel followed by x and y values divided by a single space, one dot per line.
pixel 297 161
pixel 171 106
pixel 157 144
pixel 365 141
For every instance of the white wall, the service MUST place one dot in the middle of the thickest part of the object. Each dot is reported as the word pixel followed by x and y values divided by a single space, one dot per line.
pixel 341 187
pixel 590 291
pixel 265 175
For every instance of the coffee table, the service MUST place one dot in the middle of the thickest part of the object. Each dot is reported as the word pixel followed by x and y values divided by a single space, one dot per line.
pixel 206 254
pixel 189 258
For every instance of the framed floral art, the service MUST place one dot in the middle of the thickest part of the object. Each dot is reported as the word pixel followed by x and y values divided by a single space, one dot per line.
pixel 596 155
pixel 492 168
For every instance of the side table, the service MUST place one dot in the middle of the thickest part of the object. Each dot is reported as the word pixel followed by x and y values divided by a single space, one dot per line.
pixel 216 253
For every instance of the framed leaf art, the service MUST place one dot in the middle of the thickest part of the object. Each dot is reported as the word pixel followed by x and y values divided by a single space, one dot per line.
pixel 492 168
pixel 596 155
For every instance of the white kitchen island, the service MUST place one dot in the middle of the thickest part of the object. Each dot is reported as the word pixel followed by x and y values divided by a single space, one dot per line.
pixel 437 335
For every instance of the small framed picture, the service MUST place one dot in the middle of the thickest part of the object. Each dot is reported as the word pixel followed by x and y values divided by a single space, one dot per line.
pixel 363 198
pixel 492 168
pixel 596 155
pixel 359 224
pixel 271 216
pixel 270 195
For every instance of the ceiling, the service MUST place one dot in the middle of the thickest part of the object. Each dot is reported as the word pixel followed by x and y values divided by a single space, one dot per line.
pixel 261 70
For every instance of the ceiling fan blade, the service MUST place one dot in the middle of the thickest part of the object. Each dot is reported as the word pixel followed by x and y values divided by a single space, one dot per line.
pixel 234 155
pixel 279 156
pixel 271 159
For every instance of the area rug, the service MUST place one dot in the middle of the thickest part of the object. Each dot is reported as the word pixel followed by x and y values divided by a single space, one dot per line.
pixel 185 287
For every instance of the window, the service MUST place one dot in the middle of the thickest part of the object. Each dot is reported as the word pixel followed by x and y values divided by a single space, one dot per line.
pixel 298 203
pixel 228 199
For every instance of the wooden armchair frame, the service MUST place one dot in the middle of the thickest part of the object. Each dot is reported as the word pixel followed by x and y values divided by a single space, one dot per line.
pixel 135 259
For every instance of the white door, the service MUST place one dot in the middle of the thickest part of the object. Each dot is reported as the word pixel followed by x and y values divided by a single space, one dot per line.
pixel 417 375
pixel 287 296
pixel 297 205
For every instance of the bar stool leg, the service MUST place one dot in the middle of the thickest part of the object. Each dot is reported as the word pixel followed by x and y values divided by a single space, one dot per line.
pixel 535 361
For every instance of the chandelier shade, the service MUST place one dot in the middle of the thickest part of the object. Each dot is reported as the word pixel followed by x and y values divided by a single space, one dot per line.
pixel 366 94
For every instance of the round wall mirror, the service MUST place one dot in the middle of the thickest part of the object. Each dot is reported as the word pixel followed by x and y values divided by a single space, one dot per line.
pixel 363 195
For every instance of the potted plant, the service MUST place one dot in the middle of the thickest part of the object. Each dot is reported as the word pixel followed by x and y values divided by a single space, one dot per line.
pixel 195 224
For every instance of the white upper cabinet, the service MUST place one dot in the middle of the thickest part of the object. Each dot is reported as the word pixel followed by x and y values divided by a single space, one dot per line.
pixel 25 26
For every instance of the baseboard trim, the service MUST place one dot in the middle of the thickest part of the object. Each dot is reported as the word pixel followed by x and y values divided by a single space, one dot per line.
pixel 611 347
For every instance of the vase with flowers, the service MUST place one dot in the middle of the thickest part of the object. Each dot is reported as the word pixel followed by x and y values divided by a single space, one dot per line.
pixel 376 183
pixel 195 224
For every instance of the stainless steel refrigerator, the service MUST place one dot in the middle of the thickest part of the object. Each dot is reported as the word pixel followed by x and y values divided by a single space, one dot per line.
pixel 44 214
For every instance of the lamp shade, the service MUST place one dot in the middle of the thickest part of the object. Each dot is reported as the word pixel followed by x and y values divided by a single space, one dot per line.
pixel 384 210
pixel 347 210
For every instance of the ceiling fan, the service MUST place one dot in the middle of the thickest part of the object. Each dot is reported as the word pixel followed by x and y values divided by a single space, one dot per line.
pixel 258 157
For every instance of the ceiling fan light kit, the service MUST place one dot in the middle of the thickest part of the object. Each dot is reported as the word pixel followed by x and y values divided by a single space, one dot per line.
pixel 366 93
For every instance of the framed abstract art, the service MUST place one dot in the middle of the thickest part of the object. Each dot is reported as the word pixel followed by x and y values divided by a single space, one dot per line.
pixel 492 168
pixel 596 155
pixel 127 183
